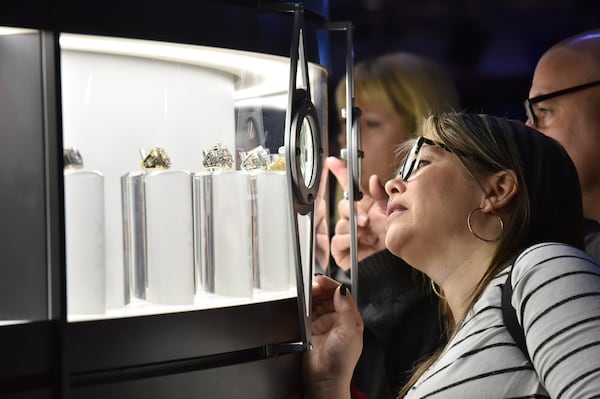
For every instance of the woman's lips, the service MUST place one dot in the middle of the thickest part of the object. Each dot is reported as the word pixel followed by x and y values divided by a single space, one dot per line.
pixel 393 208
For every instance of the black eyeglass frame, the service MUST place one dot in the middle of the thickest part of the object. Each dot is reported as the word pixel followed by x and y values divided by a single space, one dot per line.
pixel 534 100
pixel 413 156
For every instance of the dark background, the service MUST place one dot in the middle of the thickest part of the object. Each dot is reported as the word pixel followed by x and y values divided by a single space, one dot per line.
pixel 490 47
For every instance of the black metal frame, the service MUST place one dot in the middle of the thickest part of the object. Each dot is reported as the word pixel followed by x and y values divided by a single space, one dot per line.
pixel 529 102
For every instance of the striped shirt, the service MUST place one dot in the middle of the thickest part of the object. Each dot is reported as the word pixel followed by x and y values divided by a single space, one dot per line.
pixel 556 294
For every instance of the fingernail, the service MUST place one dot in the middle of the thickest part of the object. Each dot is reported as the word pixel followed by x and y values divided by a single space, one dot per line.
pixel 343 289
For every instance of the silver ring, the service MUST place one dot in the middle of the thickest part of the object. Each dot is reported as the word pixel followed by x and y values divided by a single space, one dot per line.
pixel 72 158
pixel 346 195
pixel 217 157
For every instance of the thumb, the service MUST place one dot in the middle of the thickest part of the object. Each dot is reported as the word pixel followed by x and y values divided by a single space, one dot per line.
pixel 343 301
pixel 346 307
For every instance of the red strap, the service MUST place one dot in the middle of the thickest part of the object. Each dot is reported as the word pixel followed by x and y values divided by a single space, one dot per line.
pixel 356 392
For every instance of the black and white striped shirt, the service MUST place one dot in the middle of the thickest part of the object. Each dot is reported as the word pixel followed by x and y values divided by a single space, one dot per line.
pixel 556 293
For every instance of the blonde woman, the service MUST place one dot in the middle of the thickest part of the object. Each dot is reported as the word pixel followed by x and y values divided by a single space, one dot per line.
pixel 394 92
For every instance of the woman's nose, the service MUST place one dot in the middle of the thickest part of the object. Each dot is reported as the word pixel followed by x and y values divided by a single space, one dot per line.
pixel 394 186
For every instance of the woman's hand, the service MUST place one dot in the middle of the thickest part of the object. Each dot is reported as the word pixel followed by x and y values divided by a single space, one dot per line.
pixel 337 330
pixel 370 218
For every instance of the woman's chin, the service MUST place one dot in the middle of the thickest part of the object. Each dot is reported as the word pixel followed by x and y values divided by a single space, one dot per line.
pixel 394 244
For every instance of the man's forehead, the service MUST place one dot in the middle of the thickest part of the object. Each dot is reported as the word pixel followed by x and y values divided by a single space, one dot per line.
pixel 561 68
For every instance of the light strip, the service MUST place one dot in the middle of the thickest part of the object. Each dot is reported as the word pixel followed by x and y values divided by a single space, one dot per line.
pixel 5 31
pixel 267 74
pixel 278 101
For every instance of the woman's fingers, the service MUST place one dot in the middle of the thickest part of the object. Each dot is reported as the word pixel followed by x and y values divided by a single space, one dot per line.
pixel 339 169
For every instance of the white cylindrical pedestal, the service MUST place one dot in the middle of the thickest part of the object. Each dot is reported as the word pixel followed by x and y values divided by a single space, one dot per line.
pixel 203 250
pixel 169 237
pixel 85 242
pixel 232 233
pixel 135 271
pixel 273 233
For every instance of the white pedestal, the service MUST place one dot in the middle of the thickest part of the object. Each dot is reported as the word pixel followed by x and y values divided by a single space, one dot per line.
pixel 169 237
pixel 85 242
pixel 273 232
pixel 223 217
pixel 203 251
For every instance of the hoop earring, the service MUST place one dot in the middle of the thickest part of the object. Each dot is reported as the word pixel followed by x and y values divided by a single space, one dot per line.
pixel 436 292
pixel 470 226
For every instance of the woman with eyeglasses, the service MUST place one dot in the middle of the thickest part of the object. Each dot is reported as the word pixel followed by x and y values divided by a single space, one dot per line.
pixel 394 93
pixel 481 201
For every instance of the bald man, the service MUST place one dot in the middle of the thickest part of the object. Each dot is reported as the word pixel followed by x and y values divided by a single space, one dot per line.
pixel 564 103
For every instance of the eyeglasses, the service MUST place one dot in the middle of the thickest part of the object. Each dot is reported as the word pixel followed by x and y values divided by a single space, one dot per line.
pixel 530 101
pixel 412 158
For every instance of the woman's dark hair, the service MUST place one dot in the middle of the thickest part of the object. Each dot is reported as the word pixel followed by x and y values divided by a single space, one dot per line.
pixel 548 206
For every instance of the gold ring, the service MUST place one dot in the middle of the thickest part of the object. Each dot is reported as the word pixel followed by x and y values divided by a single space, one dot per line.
pixel 156 159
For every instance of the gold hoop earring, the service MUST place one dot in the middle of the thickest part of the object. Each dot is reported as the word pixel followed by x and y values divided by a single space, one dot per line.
pixel 436 292
pixel 470 226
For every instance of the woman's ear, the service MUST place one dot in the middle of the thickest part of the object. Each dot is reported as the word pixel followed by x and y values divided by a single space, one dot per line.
pixel 500 189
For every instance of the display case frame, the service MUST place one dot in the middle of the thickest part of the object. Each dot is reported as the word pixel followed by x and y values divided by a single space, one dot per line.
pixel 33 344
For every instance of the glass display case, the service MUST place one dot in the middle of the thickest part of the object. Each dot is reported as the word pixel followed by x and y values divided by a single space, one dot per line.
pixel 158 203
pixel 175 176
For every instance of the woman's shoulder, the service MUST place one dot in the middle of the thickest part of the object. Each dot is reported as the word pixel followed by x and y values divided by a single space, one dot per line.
pixel 555 294
pixel 550 249
pixel 551 255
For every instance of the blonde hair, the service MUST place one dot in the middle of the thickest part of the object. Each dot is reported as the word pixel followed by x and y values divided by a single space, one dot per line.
pixel 410 85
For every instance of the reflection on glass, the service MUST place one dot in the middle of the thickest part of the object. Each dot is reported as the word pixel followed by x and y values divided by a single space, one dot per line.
pixel 307 152
pixel 23 274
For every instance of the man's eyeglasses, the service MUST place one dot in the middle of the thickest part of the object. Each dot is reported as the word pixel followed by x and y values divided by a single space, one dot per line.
pixel 412 158
pixel 530 101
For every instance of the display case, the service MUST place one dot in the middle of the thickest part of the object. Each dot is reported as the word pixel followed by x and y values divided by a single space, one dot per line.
pixel 178 187
pixel 159 200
